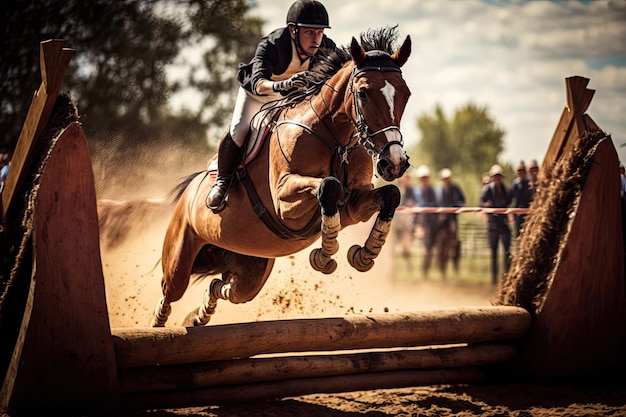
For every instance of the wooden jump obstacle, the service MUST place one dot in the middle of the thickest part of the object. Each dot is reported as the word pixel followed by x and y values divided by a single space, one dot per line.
pixel 254 361
pixel 67 358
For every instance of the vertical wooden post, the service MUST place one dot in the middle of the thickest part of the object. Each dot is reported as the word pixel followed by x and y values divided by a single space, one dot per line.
pixel 580 328
pixel 572 123
pixel 64 358
pixel 54 60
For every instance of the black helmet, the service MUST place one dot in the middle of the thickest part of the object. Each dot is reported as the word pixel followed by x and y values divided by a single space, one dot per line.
pixel 310 13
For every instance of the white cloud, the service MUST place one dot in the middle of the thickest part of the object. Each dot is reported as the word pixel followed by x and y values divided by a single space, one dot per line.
pixel 512 57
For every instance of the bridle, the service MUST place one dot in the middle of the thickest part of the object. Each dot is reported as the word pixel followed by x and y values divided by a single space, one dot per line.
pixel 363 131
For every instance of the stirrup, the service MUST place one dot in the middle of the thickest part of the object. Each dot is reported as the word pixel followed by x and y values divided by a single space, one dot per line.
pixel 222 204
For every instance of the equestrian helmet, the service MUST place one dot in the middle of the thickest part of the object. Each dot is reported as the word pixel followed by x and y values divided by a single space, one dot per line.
pixel 309 13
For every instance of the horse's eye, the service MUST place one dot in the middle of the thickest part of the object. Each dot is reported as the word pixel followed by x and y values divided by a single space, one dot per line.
pixel 362 96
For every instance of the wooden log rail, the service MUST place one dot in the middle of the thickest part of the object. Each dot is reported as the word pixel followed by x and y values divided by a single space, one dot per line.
pixel 254 361
pixel 166 346
pixel 251 370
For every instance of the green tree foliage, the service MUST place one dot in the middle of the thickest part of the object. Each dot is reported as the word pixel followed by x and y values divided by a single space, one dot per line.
pixel 118 74
pixel 469 144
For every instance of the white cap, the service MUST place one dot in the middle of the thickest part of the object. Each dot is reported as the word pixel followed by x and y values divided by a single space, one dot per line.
pixel 445 173
pixel 495 170
pixel 422 171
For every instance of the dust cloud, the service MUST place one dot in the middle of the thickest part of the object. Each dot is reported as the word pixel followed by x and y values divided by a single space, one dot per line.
pixel 131 255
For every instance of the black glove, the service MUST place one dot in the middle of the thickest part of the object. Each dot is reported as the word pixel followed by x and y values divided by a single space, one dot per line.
pixel 296 81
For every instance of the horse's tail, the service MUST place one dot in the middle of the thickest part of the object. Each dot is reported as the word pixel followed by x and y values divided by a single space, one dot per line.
pixel 176 192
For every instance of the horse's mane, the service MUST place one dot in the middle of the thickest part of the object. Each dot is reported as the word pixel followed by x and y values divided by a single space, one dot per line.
pixel 329 61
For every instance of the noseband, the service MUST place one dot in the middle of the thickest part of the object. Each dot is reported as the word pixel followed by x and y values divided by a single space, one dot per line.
pixel 364 133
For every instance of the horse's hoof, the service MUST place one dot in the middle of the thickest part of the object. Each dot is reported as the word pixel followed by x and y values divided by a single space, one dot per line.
pixel 330 267
pixel 316 259
pixel 354 258
pixel 192 320
pixel 154 323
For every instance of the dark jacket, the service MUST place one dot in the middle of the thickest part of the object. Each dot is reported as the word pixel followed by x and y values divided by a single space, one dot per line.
pixel 499 199
pixel 521 193
pixel 272 57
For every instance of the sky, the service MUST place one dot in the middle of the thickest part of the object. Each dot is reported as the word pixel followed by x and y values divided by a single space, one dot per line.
pixel 511 57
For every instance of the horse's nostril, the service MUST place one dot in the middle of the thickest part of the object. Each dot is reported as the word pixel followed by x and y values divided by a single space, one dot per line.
pixel 383 166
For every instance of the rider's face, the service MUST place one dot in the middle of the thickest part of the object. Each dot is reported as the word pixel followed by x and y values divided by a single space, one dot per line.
pixel 310 38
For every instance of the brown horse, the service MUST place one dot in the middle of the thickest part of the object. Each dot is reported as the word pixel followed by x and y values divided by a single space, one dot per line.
pixel 311 177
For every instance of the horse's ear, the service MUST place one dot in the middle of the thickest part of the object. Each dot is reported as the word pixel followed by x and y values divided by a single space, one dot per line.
pixel 402 54
pixel 357 51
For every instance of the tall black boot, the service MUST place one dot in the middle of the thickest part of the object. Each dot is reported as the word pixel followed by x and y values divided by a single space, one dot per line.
pixel 228 157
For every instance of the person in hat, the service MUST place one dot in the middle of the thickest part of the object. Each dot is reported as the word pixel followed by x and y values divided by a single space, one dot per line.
pixel 521 195
pixel 278 67
pixel 533 177
pixel 449 195
pixel 496 195
pixel 405 220
pixel 426 197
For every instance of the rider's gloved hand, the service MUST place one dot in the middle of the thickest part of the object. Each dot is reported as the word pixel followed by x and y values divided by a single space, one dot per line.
pixel 296 81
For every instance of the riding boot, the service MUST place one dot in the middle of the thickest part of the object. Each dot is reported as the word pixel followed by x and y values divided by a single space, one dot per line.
pixel 228 157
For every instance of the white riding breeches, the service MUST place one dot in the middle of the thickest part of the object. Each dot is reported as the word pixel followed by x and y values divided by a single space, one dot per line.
pixel 246 106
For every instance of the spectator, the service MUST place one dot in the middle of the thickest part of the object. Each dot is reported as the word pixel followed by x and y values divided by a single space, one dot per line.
pixel 533 177
pixel 426 197
pixel 521 195
pixel 406 220
pixel 485 178
pixel 5 164
pixel 448 244
pixel 495 195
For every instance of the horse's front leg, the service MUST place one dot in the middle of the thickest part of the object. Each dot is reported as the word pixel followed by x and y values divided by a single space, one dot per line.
pixel 329 194
pixel 362 257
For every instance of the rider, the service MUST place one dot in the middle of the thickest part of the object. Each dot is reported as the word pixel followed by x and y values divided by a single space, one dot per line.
pixel 277 67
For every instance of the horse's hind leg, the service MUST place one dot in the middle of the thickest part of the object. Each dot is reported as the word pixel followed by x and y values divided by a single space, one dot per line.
pixel 329 194
pixel 362 258
pixel 179 252
pixel 243 280
pixel 203 314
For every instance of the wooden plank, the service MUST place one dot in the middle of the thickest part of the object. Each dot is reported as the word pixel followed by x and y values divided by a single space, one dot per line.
pixel 246 371
pixel 176 345
pixel 54 60
pixel 64 359
pixel 557 143
pixel 582 324
pixel 572 122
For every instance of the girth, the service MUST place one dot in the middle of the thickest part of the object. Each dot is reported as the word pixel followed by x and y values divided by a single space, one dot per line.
pixel 311 229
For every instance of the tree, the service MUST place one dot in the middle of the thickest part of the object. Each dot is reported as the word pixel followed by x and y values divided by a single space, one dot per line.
pixel 469 142
pixel 118 75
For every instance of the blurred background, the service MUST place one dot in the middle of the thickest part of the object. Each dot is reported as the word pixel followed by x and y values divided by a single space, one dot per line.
pixel 154 82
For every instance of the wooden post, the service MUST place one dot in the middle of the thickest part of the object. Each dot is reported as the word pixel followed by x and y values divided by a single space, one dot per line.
pixel 54 60
pixel 64 358
pixel 572 123
pixel 580 327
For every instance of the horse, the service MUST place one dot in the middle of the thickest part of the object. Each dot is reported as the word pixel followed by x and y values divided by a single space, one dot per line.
pixel 312 176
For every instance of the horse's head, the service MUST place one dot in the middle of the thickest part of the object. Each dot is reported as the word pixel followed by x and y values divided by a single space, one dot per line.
pixel 380 95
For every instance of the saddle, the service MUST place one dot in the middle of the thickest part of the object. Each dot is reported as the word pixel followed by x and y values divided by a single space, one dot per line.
pixel 261 126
